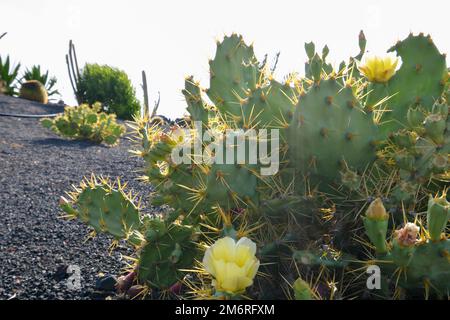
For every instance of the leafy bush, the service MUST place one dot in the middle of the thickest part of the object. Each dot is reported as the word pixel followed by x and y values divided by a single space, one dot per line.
pixel 86 123
pixel 35 74
pixel 111 87
pixel 8 76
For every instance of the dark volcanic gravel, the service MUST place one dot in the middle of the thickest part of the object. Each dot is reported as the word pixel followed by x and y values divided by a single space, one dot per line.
pixel 36 245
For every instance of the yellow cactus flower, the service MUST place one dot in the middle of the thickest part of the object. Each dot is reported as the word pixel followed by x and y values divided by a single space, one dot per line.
pixel 379 69
pixel 232 264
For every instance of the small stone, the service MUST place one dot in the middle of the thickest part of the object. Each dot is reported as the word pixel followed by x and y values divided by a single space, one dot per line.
pixel 106 283
pixel 61 272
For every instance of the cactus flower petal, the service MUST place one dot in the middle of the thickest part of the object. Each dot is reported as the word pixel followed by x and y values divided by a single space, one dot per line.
pixel 379 69
pixel 232 264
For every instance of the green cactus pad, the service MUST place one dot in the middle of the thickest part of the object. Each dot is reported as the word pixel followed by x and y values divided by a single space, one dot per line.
pixel 167 249
pixel 243 92
pixel 421 79
pixel 231 186
pixel 106 208
pixel 329 131
pixel 196 106
pixel 233 72
pixel 270 106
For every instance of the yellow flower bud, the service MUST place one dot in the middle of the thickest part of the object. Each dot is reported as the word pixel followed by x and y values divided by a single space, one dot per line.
pixel 376 210
pixel 232 264
pixel 379 69
pixel 302 290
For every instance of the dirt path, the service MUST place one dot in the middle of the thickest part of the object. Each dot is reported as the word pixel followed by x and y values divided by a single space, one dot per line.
pixel 36 167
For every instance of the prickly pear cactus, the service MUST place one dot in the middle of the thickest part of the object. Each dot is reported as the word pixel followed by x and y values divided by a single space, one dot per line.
pixel 86 123
pixel 33 90
pixel 305 218
pixel 420 80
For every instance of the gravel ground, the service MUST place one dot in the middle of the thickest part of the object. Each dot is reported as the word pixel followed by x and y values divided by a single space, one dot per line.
pixel 36 245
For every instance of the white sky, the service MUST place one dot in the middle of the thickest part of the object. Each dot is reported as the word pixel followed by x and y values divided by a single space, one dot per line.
pixel 172 39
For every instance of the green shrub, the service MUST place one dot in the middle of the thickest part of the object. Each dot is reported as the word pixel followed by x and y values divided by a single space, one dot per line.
pixel 8 76
pixel 86 123
pixel 111 87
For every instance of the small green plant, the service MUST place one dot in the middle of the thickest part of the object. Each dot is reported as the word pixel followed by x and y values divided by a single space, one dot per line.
pixel 35 73
pixel 111 87
pixel 86 123
pixel 8 74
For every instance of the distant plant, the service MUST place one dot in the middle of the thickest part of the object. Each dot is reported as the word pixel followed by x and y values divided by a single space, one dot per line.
pixel 86 123
pixel 2 87
pixel 73 70
pixel 111 87
pixel 8 74
pixel 35 73
pixel 33 90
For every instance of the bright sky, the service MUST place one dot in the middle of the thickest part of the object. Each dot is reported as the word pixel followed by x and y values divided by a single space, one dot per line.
pixel 171 39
